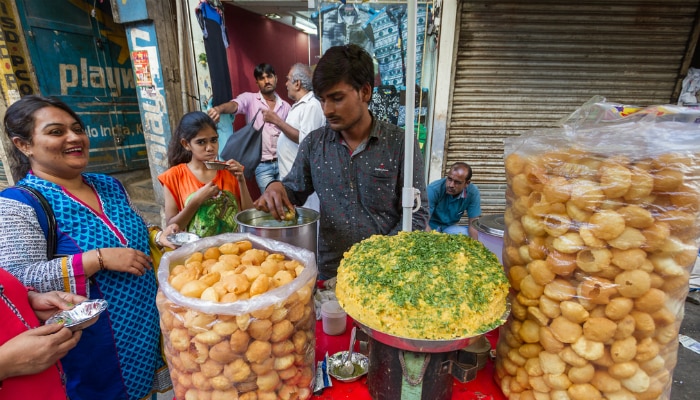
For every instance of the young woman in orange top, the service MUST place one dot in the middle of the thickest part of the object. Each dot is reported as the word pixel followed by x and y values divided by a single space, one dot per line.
pixel 201 200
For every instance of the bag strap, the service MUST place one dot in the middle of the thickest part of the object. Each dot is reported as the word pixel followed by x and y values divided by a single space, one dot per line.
pixel 51 240
pixel 255 118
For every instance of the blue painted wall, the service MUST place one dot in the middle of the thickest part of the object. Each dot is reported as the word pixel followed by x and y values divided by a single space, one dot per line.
pixel 82 57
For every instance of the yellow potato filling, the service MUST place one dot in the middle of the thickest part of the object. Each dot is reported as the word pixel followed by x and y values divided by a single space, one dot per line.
pixel 423 285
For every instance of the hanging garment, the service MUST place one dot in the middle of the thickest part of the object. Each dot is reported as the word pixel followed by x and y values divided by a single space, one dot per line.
pixel 421 105
pixel 211 21
pixel 384 104
pixel 345 23
pixel 389 28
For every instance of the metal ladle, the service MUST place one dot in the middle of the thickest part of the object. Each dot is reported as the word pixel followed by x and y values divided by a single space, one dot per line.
pixel 348 367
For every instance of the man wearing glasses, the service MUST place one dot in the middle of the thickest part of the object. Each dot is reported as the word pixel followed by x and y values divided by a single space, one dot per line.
pixel 450 197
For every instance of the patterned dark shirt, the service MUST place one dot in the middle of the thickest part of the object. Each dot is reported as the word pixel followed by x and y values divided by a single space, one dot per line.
pixel 390 29
pixel 385 104
pixel 360 193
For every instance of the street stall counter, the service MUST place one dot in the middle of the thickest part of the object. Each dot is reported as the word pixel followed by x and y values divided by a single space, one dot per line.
pixel 482 387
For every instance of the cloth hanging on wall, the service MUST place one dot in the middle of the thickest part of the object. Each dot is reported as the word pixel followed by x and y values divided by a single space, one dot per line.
pixel 345 23
pixel 211 20
pixel 389 27
pixel 385 104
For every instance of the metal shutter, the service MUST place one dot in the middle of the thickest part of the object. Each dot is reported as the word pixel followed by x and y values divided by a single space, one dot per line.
pixel 526 64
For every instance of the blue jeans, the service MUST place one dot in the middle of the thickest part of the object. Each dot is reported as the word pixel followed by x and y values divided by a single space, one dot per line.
pixel 265 173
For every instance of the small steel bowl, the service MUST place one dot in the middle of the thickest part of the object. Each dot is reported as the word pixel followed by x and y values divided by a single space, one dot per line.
pixel 182 238
pixel 81 316
pixel 215 164
pixel 360 361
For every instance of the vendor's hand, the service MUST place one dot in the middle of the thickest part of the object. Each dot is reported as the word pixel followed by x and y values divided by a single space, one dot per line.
pixel 47 304
pixel 35 350
pixel 169 230
pixel 274 201
pixel 236 169
pixel 214 114
pixel 127 260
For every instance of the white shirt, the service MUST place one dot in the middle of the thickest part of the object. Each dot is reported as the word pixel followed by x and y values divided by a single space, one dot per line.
pixel 306 115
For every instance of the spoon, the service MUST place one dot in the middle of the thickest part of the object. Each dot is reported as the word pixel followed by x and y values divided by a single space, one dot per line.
pixel 348 367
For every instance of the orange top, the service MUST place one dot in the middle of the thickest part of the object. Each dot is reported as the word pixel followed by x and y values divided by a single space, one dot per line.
pixel 181 183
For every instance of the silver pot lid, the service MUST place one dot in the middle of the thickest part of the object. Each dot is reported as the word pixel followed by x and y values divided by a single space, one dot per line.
pixel 493 225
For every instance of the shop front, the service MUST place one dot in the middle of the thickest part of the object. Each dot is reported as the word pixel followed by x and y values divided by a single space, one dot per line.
pixel 381 28
pixel 80 56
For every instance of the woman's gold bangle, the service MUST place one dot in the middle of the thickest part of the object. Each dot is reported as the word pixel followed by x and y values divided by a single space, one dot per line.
pixel 100 260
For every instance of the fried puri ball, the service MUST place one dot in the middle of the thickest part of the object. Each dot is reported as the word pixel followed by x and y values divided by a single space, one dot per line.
pixel 258 351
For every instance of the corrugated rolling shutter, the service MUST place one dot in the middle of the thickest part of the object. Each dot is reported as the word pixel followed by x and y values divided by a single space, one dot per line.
pixel 526 64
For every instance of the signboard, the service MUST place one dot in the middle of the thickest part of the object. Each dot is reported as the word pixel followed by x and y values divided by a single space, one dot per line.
pixel 154 111
pixel 82 57
pixel 16 80
pixel 130 11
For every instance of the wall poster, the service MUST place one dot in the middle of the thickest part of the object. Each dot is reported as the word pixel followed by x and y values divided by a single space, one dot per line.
pixel 142 69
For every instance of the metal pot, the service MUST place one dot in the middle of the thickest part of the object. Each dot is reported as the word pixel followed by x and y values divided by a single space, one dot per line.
pixel 301 233
pixel 491 229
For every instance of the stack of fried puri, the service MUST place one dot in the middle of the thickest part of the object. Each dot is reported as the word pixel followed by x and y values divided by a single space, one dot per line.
pixel 598 250
pixel 264 353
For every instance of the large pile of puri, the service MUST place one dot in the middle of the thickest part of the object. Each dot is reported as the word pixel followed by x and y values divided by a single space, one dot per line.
pixel 423 285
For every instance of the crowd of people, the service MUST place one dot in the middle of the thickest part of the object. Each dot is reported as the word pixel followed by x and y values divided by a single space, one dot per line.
pixel 69 235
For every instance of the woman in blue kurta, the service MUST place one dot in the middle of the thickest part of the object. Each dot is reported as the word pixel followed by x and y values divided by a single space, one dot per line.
pixel 102 251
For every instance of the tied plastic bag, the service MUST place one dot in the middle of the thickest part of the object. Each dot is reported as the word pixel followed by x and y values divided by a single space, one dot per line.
pixel 261 345
pixel 215 215
pixel 601 232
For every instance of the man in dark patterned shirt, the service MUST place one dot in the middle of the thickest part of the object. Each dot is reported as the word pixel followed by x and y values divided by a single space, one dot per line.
pixel 354 163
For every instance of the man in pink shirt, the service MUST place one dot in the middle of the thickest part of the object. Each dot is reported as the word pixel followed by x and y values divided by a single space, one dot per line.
pixel 249 103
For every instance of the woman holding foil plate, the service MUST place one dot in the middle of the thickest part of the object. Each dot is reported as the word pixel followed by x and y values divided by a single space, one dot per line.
pixel 101 250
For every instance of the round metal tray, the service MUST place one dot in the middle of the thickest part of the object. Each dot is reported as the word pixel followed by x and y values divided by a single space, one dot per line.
pixel 425 345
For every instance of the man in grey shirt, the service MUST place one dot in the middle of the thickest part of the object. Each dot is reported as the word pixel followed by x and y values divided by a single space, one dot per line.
pixel 354 163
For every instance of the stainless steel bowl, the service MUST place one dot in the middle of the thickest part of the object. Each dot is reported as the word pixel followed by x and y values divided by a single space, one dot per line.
pixel 425 345
pixel 359 361
pixel 216 164
pixel 301 233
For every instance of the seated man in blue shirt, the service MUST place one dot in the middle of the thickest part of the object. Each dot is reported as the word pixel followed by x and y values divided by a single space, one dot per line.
pixel 450 197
